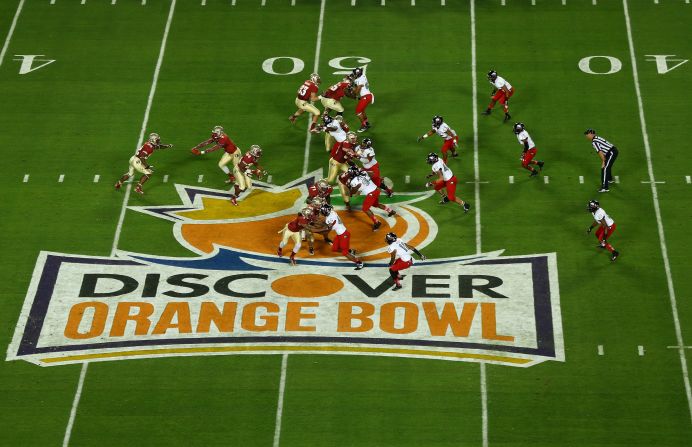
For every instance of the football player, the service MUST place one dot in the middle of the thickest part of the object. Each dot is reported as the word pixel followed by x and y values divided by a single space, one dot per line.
pixel 342 241
pixel 220 140
pixel 366 154
pixel 292 231
pixel 606 227
pixel 529 150
pixel 331 98
pixel 138 162
pixel 451 140
pixel 334 131
pixel 317 225
pixel 502 91
pixel 360 183
pixel 401 257
pixel 341 157
pixel 362 91
pixel 307 94
pixel 320 189
pixel 243 172
pixel 445 179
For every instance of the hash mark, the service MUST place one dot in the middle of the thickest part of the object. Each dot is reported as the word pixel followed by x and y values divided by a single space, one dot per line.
pixel 26 178
pixel 165 178
pixel 83 2
pixel 96 178
pixel 600 350
pixel 581 179
pixel 564 2
pixel 511 179
pixel 353 2
pixel 382 4
pixel 269 179
pixel 616 178
pixel 442 3
pixel 61 178
pixel 533 2
pixel 688 179
pixel 413 2
pixel 593 2
pixel 233 3
pixel 640 349
pixel 546 179
pixel 144 2
pixel 200 178
pixel 204 2
pixel 113 2
pixel 264 2
pixel 502 2
pixel 407 179
pixel 293 2
pixel 52 2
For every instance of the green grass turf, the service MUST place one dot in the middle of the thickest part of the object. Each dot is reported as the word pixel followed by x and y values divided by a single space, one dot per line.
pixel 82 115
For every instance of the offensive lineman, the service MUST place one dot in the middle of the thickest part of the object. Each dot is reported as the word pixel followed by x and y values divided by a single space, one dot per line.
pixel 292 231
pixel 529 150
pixel 445 179
pixel 231 151
pixel 242 172
pixel 307 94
pixel 364 95
pixel 606 227
pixel 401 257
pixel 446 133
pixel 502 91
pixel 138 162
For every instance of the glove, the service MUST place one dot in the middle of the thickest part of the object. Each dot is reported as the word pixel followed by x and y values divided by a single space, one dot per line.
pixel 589 230
pixel 422 257
pixel 419 139
pixel 195 151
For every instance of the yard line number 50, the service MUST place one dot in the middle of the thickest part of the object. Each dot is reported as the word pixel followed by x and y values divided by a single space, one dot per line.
pixel 288 65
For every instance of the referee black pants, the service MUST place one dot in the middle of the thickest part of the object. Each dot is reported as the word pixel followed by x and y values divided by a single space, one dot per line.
pixel 606 170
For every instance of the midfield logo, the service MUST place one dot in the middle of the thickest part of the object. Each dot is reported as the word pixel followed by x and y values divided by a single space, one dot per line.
pixel 237 297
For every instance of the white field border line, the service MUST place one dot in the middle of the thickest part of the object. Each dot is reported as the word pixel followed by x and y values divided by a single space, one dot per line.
pixel 11 31
pixel 121 218
pixel 318 46
pixel 657 210
pixel 280 402
pixel 477 205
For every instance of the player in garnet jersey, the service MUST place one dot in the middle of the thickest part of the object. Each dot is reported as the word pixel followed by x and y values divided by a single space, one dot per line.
pixel 341 158
pixel 450 137
pixel 364 95
pixel 342 241
pixel 317 225
pixel 401 258
pixel 307 94
pixel 220 140
pixel 445 179
pixel 360 183
pixel 139 163
pixel 244 170
pixel 292 231
pixel 331 98
pixel 320 189
pixel 502 91
pixel 366 154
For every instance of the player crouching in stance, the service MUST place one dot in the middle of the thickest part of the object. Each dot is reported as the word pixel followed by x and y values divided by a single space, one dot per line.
pixel 360 182
pixel 502 91
pixel 342 241
pixel 292 231
pixel 445 179
pixel 307 95
pixel 138 162
pixel 529 149
pixel 401 258
pixel 220 140
pixel 243 170
pixel 606 227
pixel 446 133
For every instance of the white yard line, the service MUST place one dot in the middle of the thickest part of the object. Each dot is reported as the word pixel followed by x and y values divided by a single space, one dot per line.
pixel 657 210
pixel 318 46
pixel 11 31
pixel 280 402
pixel 118 229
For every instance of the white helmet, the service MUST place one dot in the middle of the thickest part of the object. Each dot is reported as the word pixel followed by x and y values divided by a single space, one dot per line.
pixel 154 138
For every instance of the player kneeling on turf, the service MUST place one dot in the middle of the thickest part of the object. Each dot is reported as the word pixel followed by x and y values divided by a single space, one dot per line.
pixel 401 258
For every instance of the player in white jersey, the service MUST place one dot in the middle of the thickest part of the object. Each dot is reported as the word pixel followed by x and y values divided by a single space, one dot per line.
pixel 360 182
pixel 362 91
pixel 401 258
pixel 606 227
pixel 529 149
pixel 445 179
pixel 450 137
pixel 502 91
pixel 342 241
pixel 334 129
pixel 366 156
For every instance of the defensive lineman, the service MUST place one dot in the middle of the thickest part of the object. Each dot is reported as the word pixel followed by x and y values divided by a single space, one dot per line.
pixel 608 153
pixel 606 227
pixel 138 162
pixel 529 149
pixel 401 258
pixel 502 91
pixel 364 95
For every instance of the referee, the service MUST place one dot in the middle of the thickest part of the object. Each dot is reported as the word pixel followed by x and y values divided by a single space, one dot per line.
pixel 608 153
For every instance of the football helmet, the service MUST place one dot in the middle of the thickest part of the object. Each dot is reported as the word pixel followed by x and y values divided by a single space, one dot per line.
pixel 255 151
pixel 519 128
pixel 314 77
pixel 326 209
pixel 217 131
pixel 307 213
pixel 351 137
pixel 593 205
pixel 437 121
pixel 492 75
pixel 390 237
pixel 327 120
pixel 432 158
pixel 353 171
pixel 154 138
pixel 322 185
pixel 317 202
pixel 366 143
pixel 357 72
pixel 339 118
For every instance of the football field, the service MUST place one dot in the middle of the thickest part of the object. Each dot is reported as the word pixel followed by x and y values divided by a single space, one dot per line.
pixel 555 345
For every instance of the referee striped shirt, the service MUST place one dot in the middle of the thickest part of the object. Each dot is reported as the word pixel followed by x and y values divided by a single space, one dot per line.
pixel 602 145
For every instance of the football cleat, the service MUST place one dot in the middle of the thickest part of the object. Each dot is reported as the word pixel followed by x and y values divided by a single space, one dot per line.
pixel 311 250
pixel 217 132
pixel 234 200
pixel 391 213
pixel 444 200
pixel 154 138
pixel 118 185
pixel 390 237
pixel 352 251
pixel 348 206
pixel 363 128
pixel 593 205
pixel 488 111
pixel 376 226
pixel 397 287
pixel 326 209
pixel 437 121
pixel 540 165
pixel 492 75
pixel 603 190
pixel 467 207
pixel 533 173
pixel 432 158
pixel 615 255
pixel 518 128
pixel 292 118
pixel 292 259
pixel 314 77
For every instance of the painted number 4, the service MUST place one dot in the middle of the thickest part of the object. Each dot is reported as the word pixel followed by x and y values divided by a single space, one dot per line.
pixel 27 62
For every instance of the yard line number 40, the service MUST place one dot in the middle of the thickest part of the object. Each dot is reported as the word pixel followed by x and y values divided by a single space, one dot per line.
pixel 608 64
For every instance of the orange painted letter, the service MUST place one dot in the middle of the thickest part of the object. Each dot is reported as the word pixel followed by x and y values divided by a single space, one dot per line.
pixel 141 318
pixel 294 315
pixel 271 322
pixel 448 319
pixel 223 320
pixel 98 320
pixel 180 311
pixel 346 317
pixel 388 317
pixel 489 324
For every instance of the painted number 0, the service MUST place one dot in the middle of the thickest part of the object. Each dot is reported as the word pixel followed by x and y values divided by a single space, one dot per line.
pixel 297 65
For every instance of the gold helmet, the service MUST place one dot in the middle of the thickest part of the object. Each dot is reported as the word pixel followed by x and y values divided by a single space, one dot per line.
pixel 255 151
pixel 307 213
pixel 154 138
pixel 352 137
pixel 322 185
pixel 217 131
pixel 317 202
pixel 314 77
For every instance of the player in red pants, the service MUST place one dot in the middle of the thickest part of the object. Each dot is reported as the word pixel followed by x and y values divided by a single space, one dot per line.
pixel 502 91
pixel 606 227
pixel 446 133
pixel 529 150
pixel 445 179
pixel 360 182
pixel 401 258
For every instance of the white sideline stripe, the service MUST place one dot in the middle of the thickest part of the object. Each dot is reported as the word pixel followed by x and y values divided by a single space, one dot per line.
pixel 600 350
pixel 640 350
pixel 200 178
pixel 306 154
pixel 61 178
pixel 511 179
pixel 11 31
pixel 407 179
pixel 165 178
pixel 688 179
pixel 121 218
pixel 657 209
pixel 546 179
pixel 280 403
pixel 26 178
pixel 97 178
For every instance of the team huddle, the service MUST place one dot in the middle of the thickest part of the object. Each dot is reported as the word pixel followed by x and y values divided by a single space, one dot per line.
pixel 354 169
